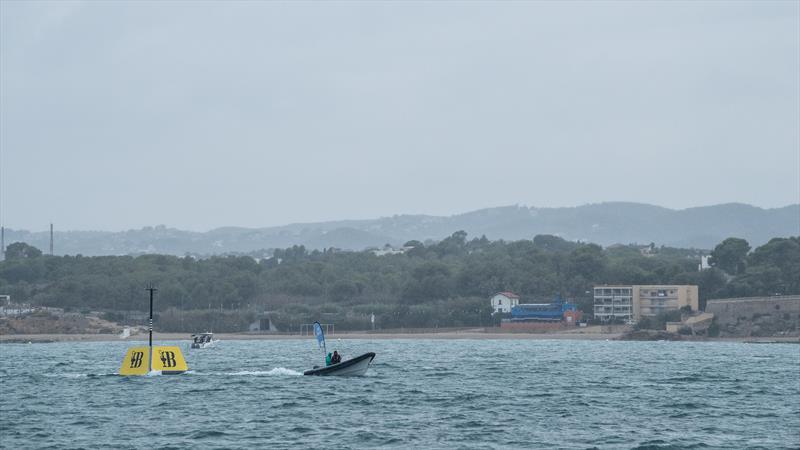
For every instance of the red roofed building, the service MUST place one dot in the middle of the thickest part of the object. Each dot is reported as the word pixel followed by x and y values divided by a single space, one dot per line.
pixel 502 302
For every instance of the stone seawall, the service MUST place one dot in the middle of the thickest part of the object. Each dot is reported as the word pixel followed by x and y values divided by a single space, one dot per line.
pixel 757 316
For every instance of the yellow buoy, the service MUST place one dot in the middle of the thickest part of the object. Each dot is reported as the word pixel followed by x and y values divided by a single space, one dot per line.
pixel 167 360
pixel 136 362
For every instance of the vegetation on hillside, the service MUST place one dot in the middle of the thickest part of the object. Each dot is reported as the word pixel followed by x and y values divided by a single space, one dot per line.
pixel 441 284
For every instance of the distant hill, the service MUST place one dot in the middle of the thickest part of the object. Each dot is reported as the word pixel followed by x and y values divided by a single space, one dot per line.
pixel 604 224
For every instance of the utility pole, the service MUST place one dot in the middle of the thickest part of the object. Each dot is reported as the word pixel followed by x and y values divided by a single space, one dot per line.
pixel 51 238
pixel 2 243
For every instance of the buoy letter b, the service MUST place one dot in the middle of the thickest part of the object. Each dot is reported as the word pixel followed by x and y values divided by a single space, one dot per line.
pixel 136 360
pixel 168 359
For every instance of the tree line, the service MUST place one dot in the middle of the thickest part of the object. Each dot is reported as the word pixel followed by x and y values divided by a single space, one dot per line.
pixel 445 284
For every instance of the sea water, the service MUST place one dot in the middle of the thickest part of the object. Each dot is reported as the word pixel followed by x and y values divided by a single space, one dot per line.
pixel 418 394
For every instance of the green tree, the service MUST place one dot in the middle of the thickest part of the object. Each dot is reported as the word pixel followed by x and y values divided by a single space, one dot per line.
pixel 550 243
pixel 417 248
pixel 585 266
pixel 343 290
pixel 431 280
pixel 21 250
pixel 730 255
pixel 454 245
pixel 445 284
pixel 782 254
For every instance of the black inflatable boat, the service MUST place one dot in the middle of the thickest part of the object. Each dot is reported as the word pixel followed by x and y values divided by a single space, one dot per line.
pixel 351 368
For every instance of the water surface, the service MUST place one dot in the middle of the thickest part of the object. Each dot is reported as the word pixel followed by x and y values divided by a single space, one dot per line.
pixel 418 393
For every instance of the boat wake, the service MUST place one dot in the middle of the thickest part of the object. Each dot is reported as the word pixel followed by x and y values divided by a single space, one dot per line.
pixel 79 375
pixel 67 375
pixel 278 371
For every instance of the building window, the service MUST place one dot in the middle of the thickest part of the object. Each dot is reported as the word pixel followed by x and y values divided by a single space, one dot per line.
pixel 500 301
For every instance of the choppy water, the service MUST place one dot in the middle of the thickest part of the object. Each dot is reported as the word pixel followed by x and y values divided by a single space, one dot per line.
pixel 419 393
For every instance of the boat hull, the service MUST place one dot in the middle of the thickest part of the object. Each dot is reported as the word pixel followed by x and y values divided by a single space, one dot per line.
pixel 210 344
pixel 354 367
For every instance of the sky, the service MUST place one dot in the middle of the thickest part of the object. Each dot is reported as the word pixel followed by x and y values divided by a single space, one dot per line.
pixel 118 115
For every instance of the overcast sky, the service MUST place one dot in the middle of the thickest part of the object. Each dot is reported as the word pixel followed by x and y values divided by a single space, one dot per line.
pixel 196 115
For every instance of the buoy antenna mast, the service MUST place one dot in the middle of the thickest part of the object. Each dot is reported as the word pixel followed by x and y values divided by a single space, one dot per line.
pixel 152 290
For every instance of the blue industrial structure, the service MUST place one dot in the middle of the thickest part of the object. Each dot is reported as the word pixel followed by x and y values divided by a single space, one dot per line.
pixel 553 311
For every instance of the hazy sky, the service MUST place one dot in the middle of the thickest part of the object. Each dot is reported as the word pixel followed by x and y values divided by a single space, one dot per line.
pixel 196 115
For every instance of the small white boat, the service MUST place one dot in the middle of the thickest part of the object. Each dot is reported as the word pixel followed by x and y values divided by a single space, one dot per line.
pixel 203 340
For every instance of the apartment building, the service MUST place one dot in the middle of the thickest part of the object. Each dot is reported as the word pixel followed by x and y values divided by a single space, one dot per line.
pixel 613 303
pixel 631 303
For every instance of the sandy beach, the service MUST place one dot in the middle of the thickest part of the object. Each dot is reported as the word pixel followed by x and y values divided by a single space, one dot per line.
pixel 590 334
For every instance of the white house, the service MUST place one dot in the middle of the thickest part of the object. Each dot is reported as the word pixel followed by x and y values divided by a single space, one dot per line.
pixel 504 301
pixel 388 250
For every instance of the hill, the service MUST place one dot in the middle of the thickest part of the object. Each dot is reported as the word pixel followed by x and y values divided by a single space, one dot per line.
pixel 603 223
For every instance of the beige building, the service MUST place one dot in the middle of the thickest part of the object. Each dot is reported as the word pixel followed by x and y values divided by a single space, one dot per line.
pixel 631 303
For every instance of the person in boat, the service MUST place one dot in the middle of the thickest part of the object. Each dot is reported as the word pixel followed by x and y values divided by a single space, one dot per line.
pixel 328 359
pixel 336 358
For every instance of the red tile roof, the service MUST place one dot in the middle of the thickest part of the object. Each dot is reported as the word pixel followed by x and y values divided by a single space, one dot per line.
pixel 508 294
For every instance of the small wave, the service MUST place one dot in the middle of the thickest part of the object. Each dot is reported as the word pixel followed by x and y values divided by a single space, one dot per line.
pixel 84 422
pixel 686 405
pixel 470 424
pixel 660 444
pixel 690 378
pixel 66 375
pixel 207 434
pixel 441 374
pixel 543 394
pixel 367 436
pixel 195 391
pixel 280 371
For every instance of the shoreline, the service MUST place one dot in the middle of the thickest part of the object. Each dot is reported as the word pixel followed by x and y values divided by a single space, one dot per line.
pixel 450 335
pixel 446 335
